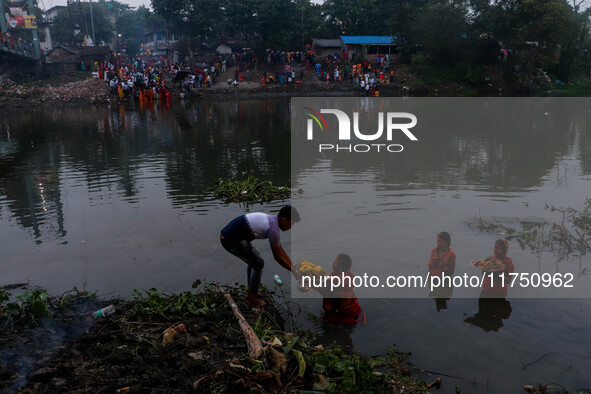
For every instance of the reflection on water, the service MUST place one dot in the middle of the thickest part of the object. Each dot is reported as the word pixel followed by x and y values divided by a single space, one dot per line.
pixel 494 159
pixel 491 313
pixel 116 199
pixel 475 150
pixel 116 154
pixel 485 161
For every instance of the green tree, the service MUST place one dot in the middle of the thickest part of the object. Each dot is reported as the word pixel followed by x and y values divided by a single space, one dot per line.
pixel 547 26
pixel 199 21
pixel 352 17
pixel 539 32
pixel 313 22
pixel 575 54
pixel 72 24
pixel 440 27
pixel 278 22
pixel 132 25
pixel 400 19
pixel 240 18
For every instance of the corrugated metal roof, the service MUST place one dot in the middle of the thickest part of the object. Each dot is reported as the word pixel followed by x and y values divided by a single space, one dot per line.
pixel 67 48
pixel 368 39
pixel 327 43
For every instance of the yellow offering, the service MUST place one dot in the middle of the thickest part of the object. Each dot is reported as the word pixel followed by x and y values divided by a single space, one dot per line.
pixel 306 268
pixel 489 265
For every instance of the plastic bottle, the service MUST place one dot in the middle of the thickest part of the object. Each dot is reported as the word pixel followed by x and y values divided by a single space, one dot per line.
pixel 278 280
pixel 106 311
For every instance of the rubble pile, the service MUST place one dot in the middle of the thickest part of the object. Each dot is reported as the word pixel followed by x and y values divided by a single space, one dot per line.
pixel 11 91
pixel 88 91
pixel 6 83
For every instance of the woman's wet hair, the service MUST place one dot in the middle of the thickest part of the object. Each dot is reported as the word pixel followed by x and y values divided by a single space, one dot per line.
pixel 503 243
pixel 344 262
pixel 444 235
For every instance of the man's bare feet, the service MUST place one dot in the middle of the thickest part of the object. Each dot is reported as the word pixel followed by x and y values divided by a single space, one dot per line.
pixel 254 301
pixel 259 294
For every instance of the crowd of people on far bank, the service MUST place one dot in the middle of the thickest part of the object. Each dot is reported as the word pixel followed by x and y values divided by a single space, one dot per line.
pixel 364 75
pixel 350 67
pixel 141 78
pixel 145 77
pixel 154 77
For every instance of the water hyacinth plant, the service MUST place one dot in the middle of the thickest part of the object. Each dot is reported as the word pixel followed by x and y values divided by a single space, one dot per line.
pixel 249 191
pixel 568 237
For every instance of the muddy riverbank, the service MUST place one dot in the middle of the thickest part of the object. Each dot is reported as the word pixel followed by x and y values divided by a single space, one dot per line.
pixel 80 89
pixel 58 344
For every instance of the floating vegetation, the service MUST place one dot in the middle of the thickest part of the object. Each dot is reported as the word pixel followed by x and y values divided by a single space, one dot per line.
pixel 249 191
pixel 569 237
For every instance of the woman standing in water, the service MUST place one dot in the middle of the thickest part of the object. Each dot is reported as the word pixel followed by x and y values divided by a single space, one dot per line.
pixel 497 285
pixel 442 260
pixel 442 263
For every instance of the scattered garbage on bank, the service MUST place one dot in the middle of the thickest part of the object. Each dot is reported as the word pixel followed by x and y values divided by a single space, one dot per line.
pixel 88 91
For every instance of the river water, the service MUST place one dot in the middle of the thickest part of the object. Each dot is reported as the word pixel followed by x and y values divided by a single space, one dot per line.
pixel 113 199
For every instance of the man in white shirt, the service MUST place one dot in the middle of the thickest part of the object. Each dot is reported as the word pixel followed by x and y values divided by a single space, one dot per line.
pixel 237 236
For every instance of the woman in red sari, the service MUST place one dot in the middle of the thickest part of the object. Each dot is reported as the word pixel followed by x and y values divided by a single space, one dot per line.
pixel 442 262
pixel 345 309
pixel 492 288
pixel 442 259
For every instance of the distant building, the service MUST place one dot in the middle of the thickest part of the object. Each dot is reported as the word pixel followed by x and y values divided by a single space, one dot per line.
pixel 372 46
pixel 96 53
pixel 328 47
pixel 50 14
pixel 62 59
pixel 44 27
pixel 159 42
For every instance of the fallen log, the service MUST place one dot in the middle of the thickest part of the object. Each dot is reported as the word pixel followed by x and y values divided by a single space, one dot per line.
pixel 255 348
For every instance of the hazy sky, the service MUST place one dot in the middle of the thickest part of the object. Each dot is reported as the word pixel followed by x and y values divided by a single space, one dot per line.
pixel 45 4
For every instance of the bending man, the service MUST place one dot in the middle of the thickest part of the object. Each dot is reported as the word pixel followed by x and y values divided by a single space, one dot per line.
pixel 237 236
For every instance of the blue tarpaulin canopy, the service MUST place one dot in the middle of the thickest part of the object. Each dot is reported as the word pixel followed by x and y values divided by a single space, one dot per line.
pixel 372 40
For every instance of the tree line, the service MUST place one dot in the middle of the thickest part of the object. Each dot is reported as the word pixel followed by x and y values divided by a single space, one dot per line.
pixel 550 34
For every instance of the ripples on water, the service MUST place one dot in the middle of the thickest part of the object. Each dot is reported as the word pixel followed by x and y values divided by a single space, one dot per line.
pixel 109 156
pixel 117 198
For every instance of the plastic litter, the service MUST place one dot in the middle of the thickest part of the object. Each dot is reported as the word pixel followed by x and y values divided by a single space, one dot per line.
pixel 278 280
pixel 106 311
pixel 170 332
